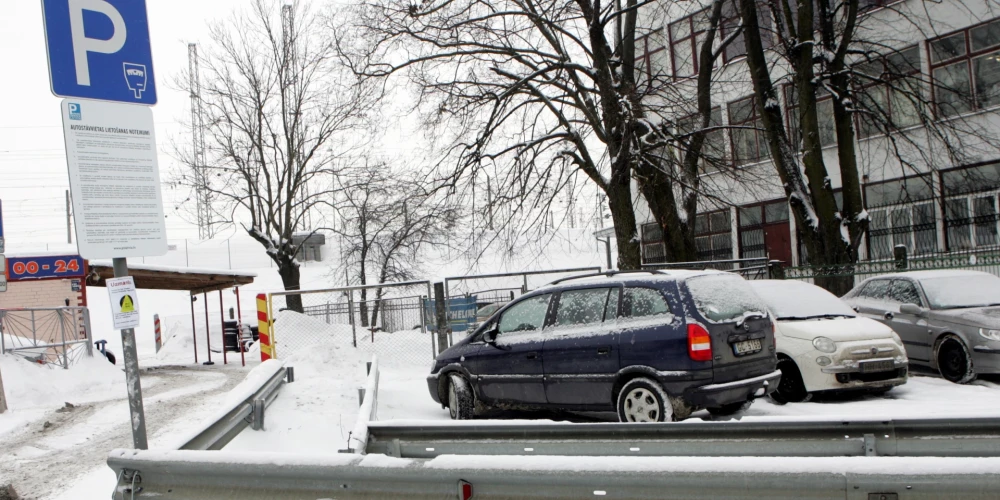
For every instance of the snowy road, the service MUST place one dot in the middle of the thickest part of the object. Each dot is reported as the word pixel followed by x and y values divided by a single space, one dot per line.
pixel 59 454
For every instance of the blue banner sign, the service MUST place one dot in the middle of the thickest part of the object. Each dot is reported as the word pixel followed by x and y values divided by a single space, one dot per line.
pixel 38 268
pixel 461 313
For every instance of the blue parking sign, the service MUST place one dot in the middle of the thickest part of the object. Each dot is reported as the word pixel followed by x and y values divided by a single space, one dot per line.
pixel 99 49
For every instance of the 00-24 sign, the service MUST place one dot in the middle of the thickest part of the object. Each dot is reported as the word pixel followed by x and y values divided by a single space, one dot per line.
pixel 26 268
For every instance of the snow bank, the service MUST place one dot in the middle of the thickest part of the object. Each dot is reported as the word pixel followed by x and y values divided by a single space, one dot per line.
pixel 32 385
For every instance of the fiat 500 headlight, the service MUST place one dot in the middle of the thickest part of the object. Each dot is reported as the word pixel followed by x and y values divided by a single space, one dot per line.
pixel 989 334
pixel 823 344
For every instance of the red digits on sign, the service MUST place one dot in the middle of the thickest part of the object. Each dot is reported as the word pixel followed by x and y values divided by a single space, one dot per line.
pixel 73 265
pixel 18 268
pixel 32 267
pixel 60 266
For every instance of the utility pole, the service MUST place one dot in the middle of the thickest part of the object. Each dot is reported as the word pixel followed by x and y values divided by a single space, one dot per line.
pixel 199 163
pixel 69 220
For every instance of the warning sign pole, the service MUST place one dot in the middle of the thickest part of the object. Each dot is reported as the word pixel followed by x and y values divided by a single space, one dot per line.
pixel 132 372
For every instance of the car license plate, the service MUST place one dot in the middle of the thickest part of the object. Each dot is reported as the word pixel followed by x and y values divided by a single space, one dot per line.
pixel 746 347
pixel 875 366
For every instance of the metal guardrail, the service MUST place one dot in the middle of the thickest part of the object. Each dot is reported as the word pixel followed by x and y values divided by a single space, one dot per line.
pixel 976 437
pixel 194 475
pixel 260 390
pixel 367 413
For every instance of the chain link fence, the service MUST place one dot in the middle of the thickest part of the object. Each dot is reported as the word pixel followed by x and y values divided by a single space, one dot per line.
pixel 387 319
pixel 56 335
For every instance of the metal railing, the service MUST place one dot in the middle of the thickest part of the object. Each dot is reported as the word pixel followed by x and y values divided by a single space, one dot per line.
pixel 974 437
pixel 368 411
pixel 252 397
pixel 199 475
pixel 57 335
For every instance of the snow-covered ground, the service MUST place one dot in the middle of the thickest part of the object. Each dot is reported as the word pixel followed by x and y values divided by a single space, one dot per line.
pixel 316 413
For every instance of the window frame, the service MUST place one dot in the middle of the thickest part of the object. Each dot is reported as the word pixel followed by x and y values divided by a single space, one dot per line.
pixel 970 196
pixel 609 290
pixel 691 39
pixel 888 75
pixel 760 225
pixel 644 62
pixel 909 205
pixel 695 119
pixel 645 243
pixel 546 319
pixel 967 59
pixel 711 235
pixel 754 119
pixel 792 106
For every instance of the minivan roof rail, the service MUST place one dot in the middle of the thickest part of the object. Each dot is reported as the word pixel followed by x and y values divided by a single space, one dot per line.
pixel 607 274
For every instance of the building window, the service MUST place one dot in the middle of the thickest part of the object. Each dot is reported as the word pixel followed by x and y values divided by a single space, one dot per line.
pixel 888 92
pixel 686 36
pixel 731 20
pixel 747 134
pixel 713 150
pixel 764 232
pixel 901 212
pixel 824 112
pixel 653 250
pixel 647 46
pixel 971 207
pixel 965 69
pixel 713 236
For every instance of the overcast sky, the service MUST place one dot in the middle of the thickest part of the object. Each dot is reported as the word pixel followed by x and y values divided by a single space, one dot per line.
pixel 33 177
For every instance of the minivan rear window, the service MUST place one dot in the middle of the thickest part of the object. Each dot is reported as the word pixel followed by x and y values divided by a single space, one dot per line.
pixel 722 298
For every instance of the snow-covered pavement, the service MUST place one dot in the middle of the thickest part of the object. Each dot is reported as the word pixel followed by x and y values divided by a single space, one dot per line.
pixel 61 453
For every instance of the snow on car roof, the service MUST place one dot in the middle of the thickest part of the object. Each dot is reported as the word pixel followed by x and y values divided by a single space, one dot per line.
pixel 940 273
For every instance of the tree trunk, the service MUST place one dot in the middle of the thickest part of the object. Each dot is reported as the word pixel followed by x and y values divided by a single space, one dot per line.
pixel 622 213
pixel 289 272
pixel 657 189
pixel 809 192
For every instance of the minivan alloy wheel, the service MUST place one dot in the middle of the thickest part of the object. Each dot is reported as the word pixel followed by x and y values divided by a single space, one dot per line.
pixel 643 400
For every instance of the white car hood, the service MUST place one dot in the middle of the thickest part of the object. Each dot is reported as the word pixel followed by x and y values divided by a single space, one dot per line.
pixel 837 329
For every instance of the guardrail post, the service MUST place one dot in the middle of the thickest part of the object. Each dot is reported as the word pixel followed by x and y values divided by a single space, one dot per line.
pixel 258 414
pixel 361 396
pixel 290 374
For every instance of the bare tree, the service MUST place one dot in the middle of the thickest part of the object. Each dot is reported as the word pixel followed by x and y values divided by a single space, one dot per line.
pixel 821 45
pixel 388 222
pixel 278 109
pixel 533 93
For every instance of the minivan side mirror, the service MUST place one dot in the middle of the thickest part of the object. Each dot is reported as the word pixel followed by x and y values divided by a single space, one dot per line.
pixel 490 336
pixel 912 309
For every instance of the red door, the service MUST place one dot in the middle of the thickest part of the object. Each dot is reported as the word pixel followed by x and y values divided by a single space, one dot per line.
pixel 778 242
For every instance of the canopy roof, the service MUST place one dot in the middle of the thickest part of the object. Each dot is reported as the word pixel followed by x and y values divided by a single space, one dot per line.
pixel 171 278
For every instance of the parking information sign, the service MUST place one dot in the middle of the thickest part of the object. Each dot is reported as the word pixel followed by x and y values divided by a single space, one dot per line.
pixel 114 178
pixel 99 49
pixel 124 302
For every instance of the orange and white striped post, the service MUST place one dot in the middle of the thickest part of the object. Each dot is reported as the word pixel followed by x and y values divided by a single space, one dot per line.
pixel 264 328
pixel 156 332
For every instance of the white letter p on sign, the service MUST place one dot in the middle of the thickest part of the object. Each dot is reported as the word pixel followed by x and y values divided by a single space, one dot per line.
pixel 82 45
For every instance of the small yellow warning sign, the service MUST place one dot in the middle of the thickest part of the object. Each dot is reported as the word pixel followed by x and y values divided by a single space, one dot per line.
pixel 122 291
pixel 127 304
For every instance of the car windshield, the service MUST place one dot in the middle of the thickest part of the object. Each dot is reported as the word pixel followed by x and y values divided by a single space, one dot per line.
pixel 722 298
pixel 975 290
pixel 792 300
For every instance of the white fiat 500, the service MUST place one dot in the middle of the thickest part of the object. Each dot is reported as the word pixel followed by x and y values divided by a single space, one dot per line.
pixel 823 345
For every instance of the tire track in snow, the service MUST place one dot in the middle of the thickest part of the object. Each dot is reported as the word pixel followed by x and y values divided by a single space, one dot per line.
pixel 42 461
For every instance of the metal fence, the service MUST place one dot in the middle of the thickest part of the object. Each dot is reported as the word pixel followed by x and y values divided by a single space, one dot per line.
pixel 387 319
pixel 57 335
pixel 751 269
pixel 986 261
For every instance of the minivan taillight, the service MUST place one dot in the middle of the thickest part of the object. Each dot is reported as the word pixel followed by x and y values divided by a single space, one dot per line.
pixel 699 343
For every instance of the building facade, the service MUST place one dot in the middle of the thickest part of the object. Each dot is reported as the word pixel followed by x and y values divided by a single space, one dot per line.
pixel 917 191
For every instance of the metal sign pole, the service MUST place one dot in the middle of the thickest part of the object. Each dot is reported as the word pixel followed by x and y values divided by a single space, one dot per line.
pixel 132 373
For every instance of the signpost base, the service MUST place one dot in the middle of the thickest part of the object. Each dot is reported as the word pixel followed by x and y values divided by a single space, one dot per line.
pixel 138 415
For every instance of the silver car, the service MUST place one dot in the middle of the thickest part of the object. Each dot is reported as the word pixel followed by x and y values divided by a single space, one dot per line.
pixel 949 320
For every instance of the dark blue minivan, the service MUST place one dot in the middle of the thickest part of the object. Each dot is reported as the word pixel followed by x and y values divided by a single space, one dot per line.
pixel 653 346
